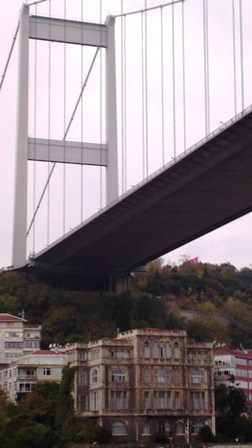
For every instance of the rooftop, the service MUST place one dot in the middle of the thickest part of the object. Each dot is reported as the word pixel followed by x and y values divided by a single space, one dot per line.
pixel 6 317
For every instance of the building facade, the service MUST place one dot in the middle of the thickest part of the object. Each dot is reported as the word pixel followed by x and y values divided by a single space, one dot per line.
pixel 234 369
pixel 18 377
pixel 145 381
pixel 17 337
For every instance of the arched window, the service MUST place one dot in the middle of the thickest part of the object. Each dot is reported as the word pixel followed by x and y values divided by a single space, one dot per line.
pixel 95 376
pixel 176 350
pixel 176 375
pixel 146 350
pixel 159 350
pixel 118 376
pixel 179 427
pixel 119 429
pixel 168 349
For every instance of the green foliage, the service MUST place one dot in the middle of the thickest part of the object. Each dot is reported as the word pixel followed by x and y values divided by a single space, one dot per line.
pixel 159 437
pixel 222 295
pixel 98 434
pixel 65 404
pixel 34 436
pixel 206 435
pixel 230 405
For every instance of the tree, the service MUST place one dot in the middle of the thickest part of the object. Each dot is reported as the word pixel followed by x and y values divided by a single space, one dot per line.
pixel 230 405
pixel 65 403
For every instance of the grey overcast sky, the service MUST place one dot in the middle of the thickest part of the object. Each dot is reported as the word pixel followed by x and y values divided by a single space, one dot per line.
pixel 232 243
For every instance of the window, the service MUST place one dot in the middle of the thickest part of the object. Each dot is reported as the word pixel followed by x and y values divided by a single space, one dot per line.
pixel 119 429
pixel 146 400
pixel 176 350
pixel 197 400
pixel 82 378
pixel 146 350
pixel 14 334
pixel 95 376
pixel 119 354
pixel 94 401
pixel 83 403
pixel 118 376
pixel 13 344
pixel 30 373
pixel 46 372
pixel 82 355
pixel 176 376
pixel 159 350
pixel 242 372
pixel 179 427
pixel 147 375
pixel 146 429
pixel 196 378
pixel 168 349
pixel 118 400
pixel 196 426
pixel 31 344
pixel 177 400
pixel 164 426
pixel 241 362
pixel 160 376
pixel 24 387
pixel 160 399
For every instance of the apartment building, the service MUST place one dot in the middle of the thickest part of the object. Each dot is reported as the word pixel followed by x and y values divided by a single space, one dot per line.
pixel 145 381
pixel 234 369
pixel 17 337
pixel 18 377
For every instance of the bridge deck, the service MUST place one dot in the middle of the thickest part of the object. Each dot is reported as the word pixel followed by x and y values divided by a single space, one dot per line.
pixel 209 186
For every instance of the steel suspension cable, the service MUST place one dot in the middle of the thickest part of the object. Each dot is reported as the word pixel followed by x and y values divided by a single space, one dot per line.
pixel 242 60
pixel 64 138
pixel 184 78
pixel 9 56
pixel 124 101
pixel 146 92
pixel 174 86
pixel 143 103
pixel 234 57
pixel 150 8
pixel 49 126
pixel 101 112
pixel 64 126
pixel 206 67
pixel 162 81
pixel 82 117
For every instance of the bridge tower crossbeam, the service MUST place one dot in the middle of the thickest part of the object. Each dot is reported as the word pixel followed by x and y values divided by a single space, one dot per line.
pixel 67 32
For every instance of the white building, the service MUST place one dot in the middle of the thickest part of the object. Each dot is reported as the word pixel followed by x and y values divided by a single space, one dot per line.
pixel 234 369
pixel 18 377
pixel 17 337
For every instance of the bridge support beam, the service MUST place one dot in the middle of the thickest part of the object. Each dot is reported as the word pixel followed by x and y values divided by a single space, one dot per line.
pixel 112 169
pixel 72 32
pixel 20 199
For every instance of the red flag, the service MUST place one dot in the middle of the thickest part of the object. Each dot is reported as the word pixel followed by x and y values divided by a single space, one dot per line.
pixel 193 260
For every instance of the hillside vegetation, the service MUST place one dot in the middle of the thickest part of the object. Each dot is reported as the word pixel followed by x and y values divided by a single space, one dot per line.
pixel 217 298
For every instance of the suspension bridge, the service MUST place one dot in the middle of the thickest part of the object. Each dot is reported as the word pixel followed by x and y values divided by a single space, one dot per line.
pixel 134 133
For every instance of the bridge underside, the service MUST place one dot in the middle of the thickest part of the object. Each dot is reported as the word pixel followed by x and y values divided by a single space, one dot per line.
pixel 203 190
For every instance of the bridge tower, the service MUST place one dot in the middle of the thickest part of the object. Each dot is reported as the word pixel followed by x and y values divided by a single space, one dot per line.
pixel 66 32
